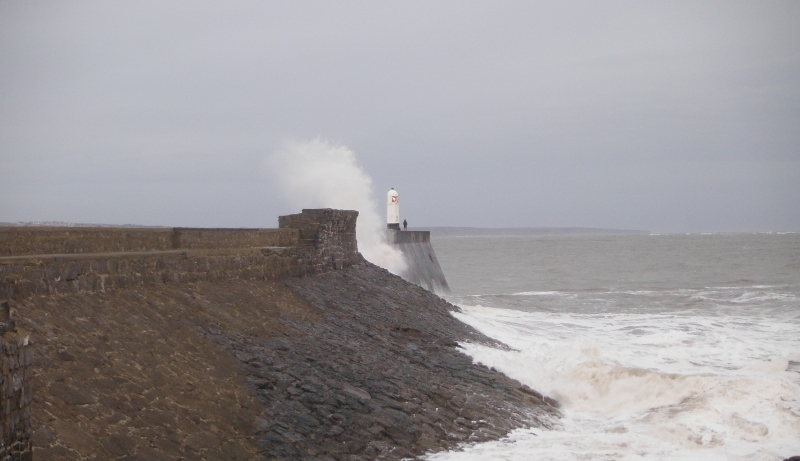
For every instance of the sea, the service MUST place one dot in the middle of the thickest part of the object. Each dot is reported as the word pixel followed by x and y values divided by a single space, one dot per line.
pixel 658 347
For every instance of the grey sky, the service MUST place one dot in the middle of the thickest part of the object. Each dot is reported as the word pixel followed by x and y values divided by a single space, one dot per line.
pixel 667 116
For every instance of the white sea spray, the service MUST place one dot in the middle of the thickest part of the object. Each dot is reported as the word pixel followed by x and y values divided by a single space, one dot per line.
pixel 320 174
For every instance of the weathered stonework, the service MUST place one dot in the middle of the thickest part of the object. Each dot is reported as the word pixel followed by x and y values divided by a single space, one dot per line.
pixel 173 347
pixel 16 390
pixel 422 266
pixel 332 233
pixel 60 240
pixel 316 241
pixel 25 277
pixel 37 262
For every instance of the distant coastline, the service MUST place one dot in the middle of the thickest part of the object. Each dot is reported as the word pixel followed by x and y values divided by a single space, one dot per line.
pixel 438 231
pixel 451 231
pixel 68 224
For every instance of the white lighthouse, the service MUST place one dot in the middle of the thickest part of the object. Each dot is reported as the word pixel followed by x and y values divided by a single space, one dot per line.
pixel 392 210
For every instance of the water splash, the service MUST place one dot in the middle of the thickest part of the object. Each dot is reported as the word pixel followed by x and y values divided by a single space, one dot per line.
pixel 628 396
pixel 319 174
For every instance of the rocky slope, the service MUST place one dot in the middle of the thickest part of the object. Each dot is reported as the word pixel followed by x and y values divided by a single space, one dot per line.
pixel 350 364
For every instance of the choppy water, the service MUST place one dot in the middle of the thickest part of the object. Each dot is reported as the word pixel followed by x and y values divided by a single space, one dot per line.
pixel 668 347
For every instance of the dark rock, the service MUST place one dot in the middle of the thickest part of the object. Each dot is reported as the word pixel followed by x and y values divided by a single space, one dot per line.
pixel 378 374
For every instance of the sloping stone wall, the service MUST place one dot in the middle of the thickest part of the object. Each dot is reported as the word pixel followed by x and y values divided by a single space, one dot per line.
pixel 299 352
pixel 422 266
pixel 25 277
pixel 378 375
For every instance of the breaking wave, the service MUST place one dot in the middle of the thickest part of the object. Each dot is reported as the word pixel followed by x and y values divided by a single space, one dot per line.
pixel 644 386
pixel 318 174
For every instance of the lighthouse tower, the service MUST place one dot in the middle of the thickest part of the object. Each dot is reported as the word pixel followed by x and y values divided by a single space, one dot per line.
pixel 392 210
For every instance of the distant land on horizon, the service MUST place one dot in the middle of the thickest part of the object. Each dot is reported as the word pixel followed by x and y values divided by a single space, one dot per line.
pixel 437 231
pixel 67 224
pixel 452 231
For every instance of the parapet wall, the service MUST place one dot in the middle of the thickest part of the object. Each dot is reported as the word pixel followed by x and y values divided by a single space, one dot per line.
pixel 51 261
pixel 410 237
pixel 60 240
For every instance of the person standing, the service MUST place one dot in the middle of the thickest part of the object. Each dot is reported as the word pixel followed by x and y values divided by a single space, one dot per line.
pixel 405 225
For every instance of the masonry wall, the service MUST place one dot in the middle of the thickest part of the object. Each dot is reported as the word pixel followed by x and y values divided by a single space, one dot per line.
pixel 331 233
pixel 25 277
pixel 16 353
pixel 422 266
pixel 60 240
pixel 39 261
pixel 100 259
pixel 255 360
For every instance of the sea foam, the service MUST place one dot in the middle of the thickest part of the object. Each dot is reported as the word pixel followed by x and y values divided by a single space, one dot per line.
pixel 679 387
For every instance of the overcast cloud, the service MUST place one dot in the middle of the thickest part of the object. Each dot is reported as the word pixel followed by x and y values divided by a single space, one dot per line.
pixel 667 116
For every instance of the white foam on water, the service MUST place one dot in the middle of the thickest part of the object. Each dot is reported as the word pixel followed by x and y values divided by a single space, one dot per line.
pixel 758 296
pixel 538 293
pixel 319 174
pixel 672 386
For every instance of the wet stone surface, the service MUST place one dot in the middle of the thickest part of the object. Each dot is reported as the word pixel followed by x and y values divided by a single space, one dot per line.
pixel 351 364
pixel 378 375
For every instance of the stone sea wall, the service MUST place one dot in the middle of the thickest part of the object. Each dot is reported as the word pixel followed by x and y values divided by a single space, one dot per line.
pixel 16 391
pixel 330 233
pixel 60 240
pixel 423 267
pixel 98 259
pixel 242 351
